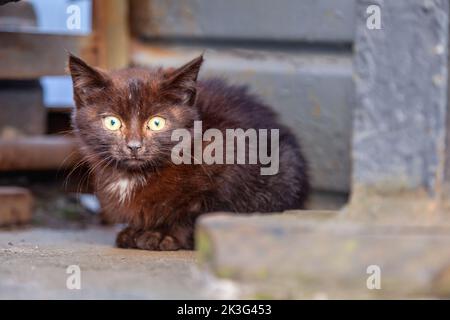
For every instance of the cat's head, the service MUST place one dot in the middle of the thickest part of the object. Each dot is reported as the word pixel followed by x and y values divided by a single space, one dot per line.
pixel 125 118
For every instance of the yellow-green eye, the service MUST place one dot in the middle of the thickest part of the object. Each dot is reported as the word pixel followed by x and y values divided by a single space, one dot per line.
pixel 112 123
pixel 156 123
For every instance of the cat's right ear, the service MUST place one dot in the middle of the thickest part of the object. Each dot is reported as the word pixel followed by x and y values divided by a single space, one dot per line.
pixel 86 80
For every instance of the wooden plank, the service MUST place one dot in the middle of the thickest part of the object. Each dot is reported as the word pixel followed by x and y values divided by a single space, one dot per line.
pixel 38 153
pixel 29 55
pixel 110 28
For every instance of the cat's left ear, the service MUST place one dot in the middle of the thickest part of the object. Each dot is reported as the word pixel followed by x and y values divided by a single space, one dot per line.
pixel 181 84
pixel 87 81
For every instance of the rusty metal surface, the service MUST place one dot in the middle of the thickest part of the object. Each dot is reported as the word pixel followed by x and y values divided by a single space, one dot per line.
pixel 38 153
pixel 16 206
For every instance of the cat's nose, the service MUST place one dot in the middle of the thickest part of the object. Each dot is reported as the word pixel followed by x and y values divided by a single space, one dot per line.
pixel 134 146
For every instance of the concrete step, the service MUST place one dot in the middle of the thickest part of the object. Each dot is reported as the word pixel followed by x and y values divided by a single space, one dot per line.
pixel 310 254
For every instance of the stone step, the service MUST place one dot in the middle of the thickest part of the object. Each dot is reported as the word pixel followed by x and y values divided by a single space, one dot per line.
pixel 310 254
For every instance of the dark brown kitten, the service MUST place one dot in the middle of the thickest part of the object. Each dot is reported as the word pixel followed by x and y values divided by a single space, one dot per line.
pixel 130 155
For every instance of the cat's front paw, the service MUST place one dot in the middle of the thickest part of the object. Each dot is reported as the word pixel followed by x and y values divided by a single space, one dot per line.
pixel 149 240
pixel 154 240
pixel 127 238
pixel 169 243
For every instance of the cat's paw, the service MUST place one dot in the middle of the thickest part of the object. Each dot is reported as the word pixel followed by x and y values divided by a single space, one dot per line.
pixel 127 238
pixel 149 240
pixel 169 243
pixel 154 240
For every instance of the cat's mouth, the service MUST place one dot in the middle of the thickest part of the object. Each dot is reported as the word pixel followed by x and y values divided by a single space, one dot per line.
pixel 134 162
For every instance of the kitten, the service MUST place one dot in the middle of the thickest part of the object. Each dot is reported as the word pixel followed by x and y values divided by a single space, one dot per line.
pixel 124 121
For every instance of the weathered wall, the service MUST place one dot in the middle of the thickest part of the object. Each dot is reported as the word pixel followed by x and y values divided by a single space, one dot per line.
pixel 306 20
pixel 296 54
pixel 401 109
pixel 22 109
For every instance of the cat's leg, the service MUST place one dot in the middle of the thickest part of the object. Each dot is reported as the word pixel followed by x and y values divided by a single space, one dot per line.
pixel 105 219
pixel 127 238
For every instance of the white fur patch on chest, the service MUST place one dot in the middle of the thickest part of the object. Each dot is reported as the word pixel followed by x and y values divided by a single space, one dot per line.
pixel 123 188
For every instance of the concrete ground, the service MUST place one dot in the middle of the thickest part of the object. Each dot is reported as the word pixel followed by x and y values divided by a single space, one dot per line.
pixel 34 260
pixel 33 264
